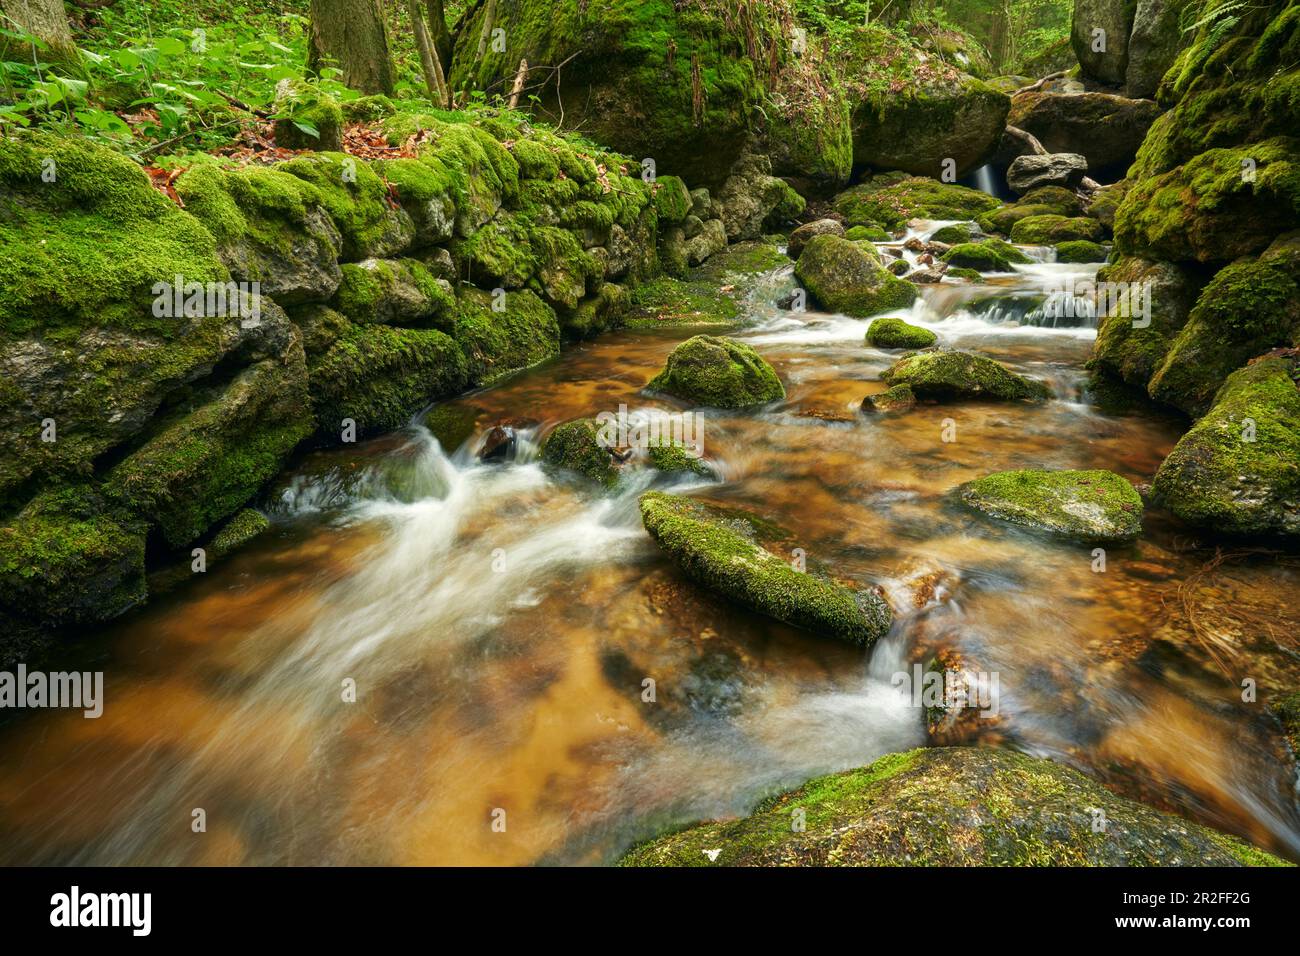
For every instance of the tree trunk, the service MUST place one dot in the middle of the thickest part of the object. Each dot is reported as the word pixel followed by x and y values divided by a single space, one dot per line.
pixel 439 33
pixel 350 35
pixel 43 19
pixel 428 56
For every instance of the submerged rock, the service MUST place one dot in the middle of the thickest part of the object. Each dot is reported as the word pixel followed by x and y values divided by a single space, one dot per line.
pixel 951 806
pixel 846 276
pixel 720 372
pixel 1083 505
pixel 947 373
pixel 899 398
pixel 719 549
pixel 1237 471
pixel 894 333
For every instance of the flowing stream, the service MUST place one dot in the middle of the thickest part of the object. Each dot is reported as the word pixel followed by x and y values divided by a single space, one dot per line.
pixel 500 621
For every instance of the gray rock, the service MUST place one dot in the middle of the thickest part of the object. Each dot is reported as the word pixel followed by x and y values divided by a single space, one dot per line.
pixel 821 227
pixel 1054 169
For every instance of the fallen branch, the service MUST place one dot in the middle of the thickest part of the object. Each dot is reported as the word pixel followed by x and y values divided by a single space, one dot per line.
pixel 1039 85
pixel 1029 139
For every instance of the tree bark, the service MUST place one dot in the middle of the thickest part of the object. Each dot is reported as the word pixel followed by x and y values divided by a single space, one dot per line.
pixel 43 19
pixel 350 35
pixel 428 56
pixel 439 33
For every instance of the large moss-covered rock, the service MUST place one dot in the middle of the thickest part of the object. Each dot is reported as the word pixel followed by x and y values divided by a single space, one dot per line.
pixel 394 292
pixel 991 255
pixel 1080 250
pixel 915 119
pixel 83 258
pixel 521 334
pixel 809 133
pixel 69 557
pixel 379 376
pixel 1249 307
pixel 1104 128
pixel 1223 204
pixel 650 79
pixel 720 372
pixel 357 201
pixel 214 449
pixel 722 549
pixel 950 807
pixel 847 276
pixel 947 374
pixel 1103 57
pixel 1081 505
pixel 1237 471
pixel 271 228
pixel 891 199
pixel 751 197
pixel 894 333
pixel 1132 352
pixel 1049 230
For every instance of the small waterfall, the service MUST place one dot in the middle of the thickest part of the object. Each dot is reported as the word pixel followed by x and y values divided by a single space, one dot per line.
pixel 984 180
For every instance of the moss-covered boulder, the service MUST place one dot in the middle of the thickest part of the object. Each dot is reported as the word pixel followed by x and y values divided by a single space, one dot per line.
pixel 648 79
pixel 752 200
pixel 892 333
pixel 722 550
pixel 1080 251
pixel 1104 128
pixel 898 398
pixel 1131 341
pixel 950 807
pixel 271 228
pixel 719 372
pixel 990 255
pixel 1237 471
pixel 307 119
pixel 674 459
pixel 1089 506
pixel 943 374
pixel 497 340
pixel 379 376
pixel 1223 204
pixel 818 227
pixel 1049 230
pixel 358 203
pixel 394 292
pixel 576 446
pixel 891 199
pixel 913 111
pixel 868 233
pixel 953 235
pixel 846 276
pixel 1249 307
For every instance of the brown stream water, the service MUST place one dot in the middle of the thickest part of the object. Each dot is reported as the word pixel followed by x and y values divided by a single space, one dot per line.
pixel 499 620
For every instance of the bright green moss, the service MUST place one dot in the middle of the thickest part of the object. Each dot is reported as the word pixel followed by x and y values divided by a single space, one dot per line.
pixel 394 292
pixel 1210 209
pixel 672 199
pixel 869 232
pixel 719 549
pixel 1080 250
pixel 1081 505
pixel 246 525
pixel 523 334
pixel 847 277
pixel 991 255
pixel 674 459
pixel 718 372
pixel 892 199
pixel 1237 471
pixel 956 806
pixel 953 235
pixel 668 302
pixel 576 446
pixel 945 374
pixel 380 376
pixel 893 333
pixel 499 254
pixel 357 200
pixel 1049 230
pixel 66 558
